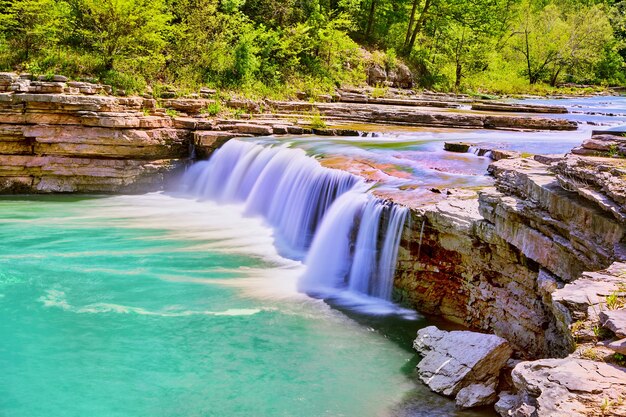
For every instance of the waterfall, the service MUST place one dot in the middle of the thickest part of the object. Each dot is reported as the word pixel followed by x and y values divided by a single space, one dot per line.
pixel 284 186
pixel 356 247
pixel 347 237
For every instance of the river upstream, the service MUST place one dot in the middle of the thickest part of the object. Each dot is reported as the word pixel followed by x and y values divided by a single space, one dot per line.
pixel 254 287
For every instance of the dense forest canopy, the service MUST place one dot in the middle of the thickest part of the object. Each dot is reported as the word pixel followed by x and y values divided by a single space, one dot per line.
pixel 265 45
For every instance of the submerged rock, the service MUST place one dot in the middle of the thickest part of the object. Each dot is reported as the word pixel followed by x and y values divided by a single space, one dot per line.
pixel 461 364
pixel 460 147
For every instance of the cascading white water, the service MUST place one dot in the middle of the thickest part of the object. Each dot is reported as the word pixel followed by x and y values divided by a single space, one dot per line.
pixel 351 236
pixel 286 187
pixel 356 247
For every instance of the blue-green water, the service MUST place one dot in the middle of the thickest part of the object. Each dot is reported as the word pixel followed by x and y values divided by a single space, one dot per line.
pixel 160 306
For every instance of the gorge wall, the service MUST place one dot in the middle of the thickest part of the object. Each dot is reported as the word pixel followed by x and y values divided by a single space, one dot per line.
pixel 492 263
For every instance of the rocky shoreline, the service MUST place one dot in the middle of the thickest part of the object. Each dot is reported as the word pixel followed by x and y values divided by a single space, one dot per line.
pixel 512 260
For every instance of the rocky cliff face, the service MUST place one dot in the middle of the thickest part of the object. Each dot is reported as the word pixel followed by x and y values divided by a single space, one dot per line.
pixel 60 138
pixel 492 263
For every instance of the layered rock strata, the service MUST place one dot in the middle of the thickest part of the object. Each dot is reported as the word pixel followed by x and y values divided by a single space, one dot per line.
pixel 603 144
pixel 492 263
pixel 372 112
pixel 518 108
pixel 72 142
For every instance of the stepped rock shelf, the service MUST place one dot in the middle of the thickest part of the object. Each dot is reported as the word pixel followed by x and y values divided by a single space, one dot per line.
pixel 59 136
pixel 512 259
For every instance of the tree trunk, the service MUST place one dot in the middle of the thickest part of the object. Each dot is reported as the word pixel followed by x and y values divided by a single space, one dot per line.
pixel 459 74
pixel 411 21
pixel 370 19
pixel 528 63
pixel 555 77
pixel 418 26
pixel 457 58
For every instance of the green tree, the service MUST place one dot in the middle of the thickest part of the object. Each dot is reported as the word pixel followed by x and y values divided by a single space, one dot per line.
pixel 551 40
pixel 31 26
pixel 122 29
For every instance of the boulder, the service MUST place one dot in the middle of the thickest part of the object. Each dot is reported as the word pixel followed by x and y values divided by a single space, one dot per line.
pixel 191 106
pixel 401 77
pixel 376 75
pixel 506 401
pixel 461 364
pixel 476 395
pixel 569 387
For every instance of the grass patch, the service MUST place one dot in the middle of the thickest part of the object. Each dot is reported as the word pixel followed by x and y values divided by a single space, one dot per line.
pixel 591 354
pixel 213 109
pixel 317 122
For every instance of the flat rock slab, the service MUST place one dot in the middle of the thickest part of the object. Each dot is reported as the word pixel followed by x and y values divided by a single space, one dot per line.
pixel 618 346
pixel 569 387
pixel 521 108
pixel 615 321
pixel 586 297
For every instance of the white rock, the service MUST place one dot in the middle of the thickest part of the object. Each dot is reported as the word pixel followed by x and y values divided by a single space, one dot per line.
pixel 476 395
pixel 569 387
pixel 455 360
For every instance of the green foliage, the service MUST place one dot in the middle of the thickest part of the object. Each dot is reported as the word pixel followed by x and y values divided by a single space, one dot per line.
pixel 31 27
pixel 122 30
pixel 601 333
pixel 130 83
pixel 615 300
pixel 619 359
pixel 276 48
pixel 213 109
pixel 171 112
pixel 317 122
pixel 379 92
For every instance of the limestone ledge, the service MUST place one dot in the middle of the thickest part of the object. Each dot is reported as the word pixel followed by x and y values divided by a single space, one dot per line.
pixel 403 114
pixel 57 142
pixel 66 141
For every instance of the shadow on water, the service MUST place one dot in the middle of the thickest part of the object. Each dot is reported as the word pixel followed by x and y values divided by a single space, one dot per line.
pixel 52 198
pixel 420 402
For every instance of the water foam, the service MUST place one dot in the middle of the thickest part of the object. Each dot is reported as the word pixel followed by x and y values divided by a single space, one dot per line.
pixel 348 238
pixel 56 298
